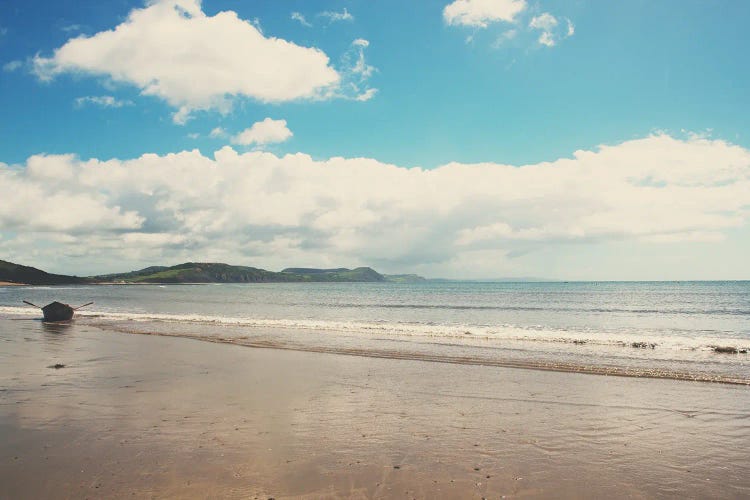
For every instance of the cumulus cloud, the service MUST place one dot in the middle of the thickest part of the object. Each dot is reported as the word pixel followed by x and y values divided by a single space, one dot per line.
pixel 104 101
pixel 41 202
pixel 173 50
pixel 546 29
pixel 260 208
pixel 266 132
pixel 480 13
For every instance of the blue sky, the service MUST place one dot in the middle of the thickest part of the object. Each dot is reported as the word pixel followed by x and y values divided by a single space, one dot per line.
pixel 438 86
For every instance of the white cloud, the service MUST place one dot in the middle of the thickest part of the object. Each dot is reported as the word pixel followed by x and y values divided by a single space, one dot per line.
pixel 504 38
pixel 546 39
pixel 480 13
pixel 571 28
pixel 266 132
pixel 217 132
pixel 366 95
pixel 173 50
pixel 153 240
pixel 104 101
pixel 360 67
pixel 544 21
pixel 72 28
pixel 334 17
pixel 357 72
pixel 12 66
pixel 296 16
pixel 237 207
pixel 551 30
pixel 40 202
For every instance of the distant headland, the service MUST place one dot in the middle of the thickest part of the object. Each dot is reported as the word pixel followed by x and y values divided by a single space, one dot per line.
pixel 202 272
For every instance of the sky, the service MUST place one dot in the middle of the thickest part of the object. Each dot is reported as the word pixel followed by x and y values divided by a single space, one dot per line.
pixel 575 140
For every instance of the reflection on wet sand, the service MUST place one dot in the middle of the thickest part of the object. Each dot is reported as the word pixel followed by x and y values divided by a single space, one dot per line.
pixel 133 414
pixel 61 327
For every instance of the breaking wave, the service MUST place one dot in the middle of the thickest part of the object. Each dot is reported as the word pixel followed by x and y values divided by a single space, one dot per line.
pixel 432 332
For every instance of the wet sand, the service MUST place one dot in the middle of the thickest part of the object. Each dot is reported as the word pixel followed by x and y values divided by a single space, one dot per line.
pixel 148 416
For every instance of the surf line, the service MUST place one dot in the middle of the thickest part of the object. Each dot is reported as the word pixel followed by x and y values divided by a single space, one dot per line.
pixel 456 360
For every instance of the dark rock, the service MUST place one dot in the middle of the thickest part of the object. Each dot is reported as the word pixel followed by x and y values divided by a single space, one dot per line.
pixel 643 345
pixel 579 342
pixel 743 351
pixel 725 349
pixel 57 366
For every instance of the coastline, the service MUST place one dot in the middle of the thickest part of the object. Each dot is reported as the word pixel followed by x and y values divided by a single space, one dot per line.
pixel 700 357
pixel 158 416
pixel 523 364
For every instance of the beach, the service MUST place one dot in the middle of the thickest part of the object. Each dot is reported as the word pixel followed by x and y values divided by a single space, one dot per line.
pixel 466 249
pixel 152 416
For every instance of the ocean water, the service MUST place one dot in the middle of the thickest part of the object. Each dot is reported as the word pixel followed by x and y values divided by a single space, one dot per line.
pixel 653 329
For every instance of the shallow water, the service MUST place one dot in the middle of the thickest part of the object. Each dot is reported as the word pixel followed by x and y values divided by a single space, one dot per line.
pixel 150 416
pixel 590 327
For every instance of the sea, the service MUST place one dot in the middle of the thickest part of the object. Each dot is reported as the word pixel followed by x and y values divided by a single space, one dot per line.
pixel 635 329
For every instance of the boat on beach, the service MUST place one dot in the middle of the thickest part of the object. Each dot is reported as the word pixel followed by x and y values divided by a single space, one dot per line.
pixel 57 311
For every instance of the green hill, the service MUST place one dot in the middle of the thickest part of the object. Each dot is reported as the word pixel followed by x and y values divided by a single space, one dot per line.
pixel 16 273
pixel 198 272
pixel 205 272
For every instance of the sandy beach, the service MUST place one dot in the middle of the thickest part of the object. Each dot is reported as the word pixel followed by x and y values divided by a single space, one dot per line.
pixel 456 249
pixel 147 416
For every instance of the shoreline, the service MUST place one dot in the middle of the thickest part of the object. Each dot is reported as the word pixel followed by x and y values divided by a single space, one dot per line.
pixel 427 280
pixel 458 360
pixel 698 362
